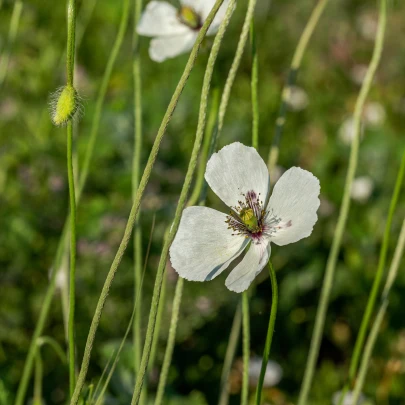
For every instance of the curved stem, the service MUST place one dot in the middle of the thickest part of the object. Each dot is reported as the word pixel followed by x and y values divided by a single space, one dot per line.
pixel 270 331
pixel 235 65
pixel 292 75
pixel 70 62
pixel 12 33
pixel 229 355
pixel 343 214
pixel 170 341
pixel 246 348
pixel 393 271
pixel 128 230
pixel 254 87
pixel 38 379
pixel 136 164
pixel 354 362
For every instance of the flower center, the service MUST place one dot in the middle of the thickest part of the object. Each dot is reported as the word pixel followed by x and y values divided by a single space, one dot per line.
pixel 248 217
pixel 189 17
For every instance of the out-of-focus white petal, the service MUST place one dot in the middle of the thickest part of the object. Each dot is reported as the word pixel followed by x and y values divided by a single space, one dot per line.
pixel 348 398
pixel 251 265
pixel 204 246
pixel 362 188
pixel 235 170
pixel 160 19
pixel 203 8
pixel 272 376
pixel 164 48
pixel 295 199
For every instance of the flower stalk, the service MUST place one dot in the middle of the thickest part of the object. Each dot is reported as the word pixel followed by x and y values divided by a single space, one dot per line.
pixel 128 231
pixel 343 214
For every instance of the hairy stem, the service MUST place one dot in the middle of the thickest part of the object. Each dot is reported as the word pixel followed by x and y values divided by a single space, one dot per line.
pixel 128 230
pixel 246 348
pixel 292 76
pixel 343 214
pixel 270 331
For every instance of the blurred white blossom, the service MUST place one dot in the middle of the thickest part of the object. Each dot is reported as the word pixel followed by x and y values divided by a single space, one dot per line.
pixel 374 114
pixel 367 25
pixel 298 99
pixel 348 399
pixel 362 188
pixel 273 374
pixel 358 73
pixel 174 31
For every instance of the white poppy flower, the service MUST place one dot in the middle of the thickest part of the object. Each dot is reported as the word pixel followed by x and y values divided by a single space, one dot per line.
pixel 173 30
pixel 208 241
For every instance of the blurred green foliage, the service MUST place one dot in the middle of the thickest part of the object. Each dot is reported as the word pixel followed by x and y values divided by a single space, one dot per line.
pixel 34 198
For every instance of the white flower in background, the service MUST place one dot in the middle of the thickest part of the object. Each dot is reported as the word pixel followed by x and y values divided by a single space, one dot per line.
pixel 208 241
pixel 346 131
pixel 374 114
pixel 173 30
pixel 298 99
pixel 272 376
pixel 367 24
pixel 348 399
pixel 362 188
pixel 358 73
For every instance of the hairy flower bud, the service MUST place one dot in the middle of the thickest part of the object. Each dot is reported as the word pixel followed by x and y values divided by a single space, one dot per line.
pixel 64 104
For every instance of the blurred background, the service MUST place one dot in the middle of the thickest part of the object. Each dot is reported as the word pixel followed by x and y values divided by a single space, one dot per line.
pixel 34 198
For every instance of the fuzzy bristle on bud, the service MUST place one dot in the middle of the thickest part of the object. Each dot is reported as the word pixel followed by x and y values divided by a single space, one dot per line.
pixel 64 105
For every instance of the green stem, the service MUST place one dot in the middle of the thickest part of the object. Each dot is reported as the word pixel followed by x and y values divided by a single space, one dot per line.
pixel 235 65
pixel 343 214
pixel 38 379
pixel 29 362
pixel 198 186
pixel 292 76
pixel 354 362
pixel 170 341
pixel 368 350
pixel 131 221
pixel 205 153
pixel 270 331
pixel 72 276
pixel 254 86
pixel 12 33
pixel 246 348
pixel 136 164
pixel 70 62
pixel 183 196
pixel 229 356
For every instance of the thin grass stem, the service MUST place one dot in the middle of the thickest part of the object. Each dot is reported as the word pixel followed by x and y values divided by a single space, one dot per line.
pixel 254 87
pixel 70 62
pixel 229 355
pixel 12 34
pixel 136 166
pixel 291 79
pixel 270 332
pixel 343 214
pixel 370 343
pixel 365 322
pixel 128 231
pixel 246 348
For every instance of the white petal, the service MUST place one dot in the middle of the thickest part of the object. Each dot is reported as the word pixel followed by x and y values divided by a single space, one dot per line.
pixel 163 48
pixel 204 7
pixel 204 246
pixel 160 19
pixel 235 170
pixel 294 200
pixel 251 265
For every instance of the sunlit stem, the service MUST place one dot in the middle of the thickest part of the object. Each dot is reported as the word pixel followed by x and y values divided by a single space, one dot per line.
pixel 343 214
